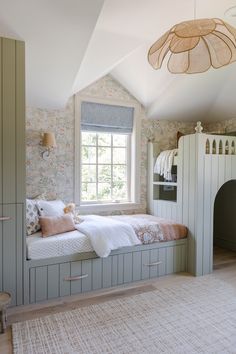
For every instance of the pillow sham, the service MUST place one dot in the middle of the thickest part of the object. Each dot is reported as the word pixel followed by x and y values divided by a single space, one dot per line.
pixel 32 217
pixel 51 208
pixel 54 225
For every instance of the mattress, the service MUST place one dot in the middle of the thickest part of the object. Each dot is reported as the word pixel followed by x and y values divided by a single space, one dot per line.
pixel 55 246
pixel 150 229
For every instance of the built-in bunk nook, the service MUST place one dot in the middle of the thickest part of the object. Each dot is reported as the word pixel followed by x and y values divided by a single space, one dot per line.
pixel 204 164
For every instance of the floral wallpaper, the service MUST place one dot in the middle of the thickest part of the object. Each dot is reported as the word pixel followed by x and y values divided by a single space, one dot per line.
pixel 225 126
pixel 55 177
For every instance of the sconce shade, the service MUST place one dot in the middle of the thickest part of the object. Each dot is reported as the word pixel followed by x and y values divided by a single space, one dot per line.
pixel 194 46
pixel 49 140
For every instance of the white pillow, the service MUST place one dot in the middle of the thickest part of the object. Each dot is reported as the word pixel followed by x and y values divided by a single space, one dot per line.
pixel 51 208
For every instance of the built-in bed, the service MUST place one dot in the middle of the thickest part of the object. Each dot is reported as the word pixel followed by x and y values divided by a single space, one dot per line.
pixel 66 264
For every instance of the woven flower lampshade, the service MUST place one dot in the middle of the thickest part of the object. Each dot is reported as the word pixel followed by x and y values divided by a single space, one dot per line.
pixel 195 46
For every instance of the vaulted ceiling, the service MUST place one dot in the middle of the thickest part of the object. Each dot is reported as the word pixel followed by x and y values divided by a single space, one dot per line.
pixel 72 43
pixel 56 35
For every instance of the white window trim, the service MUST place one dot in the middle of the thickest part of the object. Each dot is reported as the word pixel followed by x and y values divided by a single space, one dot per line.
pixel 135 153
pixel 128 199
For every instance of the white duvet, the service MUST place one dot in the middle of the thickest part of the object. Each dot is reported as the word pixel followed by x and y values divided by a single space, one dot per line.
pixel 107 234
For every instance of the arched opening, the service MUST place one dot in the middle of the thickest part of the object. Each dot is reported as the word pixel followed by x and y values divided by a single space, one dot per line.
pixel 207 148
pixel 214 147
pixel 227 148
pixel 220 148
pixel 233 148
pixel 224 227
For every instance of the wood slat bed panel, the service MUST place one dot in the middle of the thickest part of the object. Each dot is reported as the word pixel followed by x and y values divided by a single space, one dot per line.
pixel 32 285
pixel 75 270
pixel 106 272
pixel 53 281
pixel 41 284
pixel 137 266
pixel 97 273
pixel 114 271
pixel 64 271
pixel 48 281
pixel 86 270
pixel 128 268
pixel 154 257
pixel 145 268
pixel 120 269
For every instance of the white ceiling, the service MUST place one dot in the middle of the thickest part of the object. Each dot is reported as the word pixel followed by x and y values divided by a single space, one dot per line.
pixel 56 34
pixel 72 43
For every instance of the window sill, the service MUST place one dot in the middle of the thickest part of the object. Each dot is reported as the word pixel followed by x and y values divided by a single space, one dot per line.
pixel 93 208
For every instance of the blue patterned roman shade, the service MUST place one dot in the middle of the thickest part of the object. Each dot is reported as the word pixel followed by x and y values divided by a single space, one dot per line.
pixel 99 117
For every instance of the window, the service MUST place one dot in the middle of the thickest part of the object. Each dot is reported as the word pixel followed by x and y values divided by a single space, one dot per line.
pixel 106 155
pixel 105 173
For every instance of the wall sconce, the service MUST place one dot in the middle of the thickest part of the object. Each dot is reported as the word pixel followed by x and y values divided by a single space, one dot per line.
pixel 49 143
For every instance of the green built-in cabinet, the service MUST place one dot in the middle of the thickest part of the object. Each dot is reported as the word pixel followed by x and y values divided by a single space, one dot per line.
pixel 12 167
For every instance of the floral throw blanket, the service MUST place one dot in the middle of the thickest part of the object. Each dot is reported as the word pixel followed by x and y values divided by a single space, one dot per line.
pixel 150 229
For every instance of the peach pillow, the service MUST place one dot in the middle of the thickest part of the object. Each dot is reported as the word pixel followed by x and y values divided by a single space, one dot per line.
pixel 54 225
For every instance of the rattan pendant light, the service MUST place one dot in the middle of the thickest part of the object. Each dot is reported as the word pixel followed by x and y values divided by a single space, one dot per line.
pixel 194 46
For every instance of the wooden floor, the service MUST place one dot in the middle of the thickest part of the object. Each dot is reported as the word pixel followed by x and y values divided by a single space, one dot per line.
pixel 224 268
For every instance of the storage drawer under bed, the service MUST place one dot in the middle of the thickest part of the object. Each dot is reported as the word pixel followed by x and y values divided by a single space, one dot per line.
pixel 79 276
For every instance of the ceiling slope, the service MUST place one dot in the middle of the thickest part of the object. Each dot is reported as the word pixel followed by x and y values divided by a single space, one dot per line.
pixel 208 96
pixel 56 33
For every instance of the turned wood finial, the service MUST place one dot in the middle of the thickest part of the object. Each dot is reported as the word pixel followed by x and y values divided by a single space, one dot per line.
pixel 199 128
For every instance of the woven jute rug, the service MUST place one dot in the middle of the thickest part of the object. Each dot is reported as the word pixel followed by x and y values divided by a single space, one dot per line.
pixel 198 317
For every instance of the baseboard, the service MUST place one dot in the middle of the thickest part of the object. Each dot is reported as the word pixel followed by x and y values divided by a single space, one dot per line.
pixel 225 244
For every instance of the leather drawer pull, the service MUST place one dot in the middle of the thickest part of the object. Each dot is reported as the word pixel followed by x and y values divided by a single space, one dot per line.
pixel 152 264
pixel 5 218
pixel 77 277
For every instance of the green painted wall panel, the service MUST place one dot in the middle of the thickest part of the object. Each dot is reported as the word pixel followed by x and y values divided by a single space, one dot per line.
pixel 20 221
pixel 1 251
pixel 9 251
pixel 20 122
pixel 8 120
pixel 1 113
pixel 12 169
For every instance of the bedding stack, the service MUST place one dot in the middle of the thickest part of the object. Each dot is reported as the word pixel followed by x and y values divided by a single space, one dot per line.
pixel 164 163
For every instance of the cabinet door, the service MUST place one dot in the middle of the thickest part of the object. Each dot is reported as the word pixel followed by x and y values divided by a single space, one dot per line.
pixel 12 121
pixel 8 121
pixel 11 237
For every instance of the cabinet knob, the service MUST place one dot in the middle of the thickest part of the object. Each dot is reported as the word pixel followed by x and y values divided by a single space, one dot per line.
pixel 5 218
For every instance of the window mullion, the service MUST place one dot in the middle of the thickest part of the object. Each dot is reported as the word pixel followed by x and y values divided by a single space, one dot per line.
pixel 128 166
pixel 97 166
pixel 111 166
